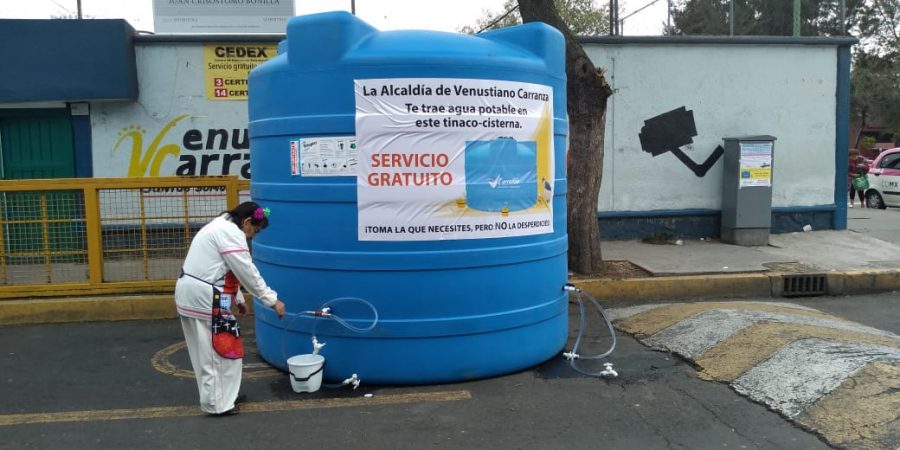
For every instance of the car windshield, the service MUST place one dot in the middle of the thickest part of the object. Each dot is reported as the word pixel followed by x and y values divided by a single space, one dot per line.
pixel 891 161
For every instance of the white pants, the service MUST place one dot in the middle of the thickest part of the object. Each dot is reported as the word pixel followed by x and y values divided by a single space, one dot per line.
pixel 218 378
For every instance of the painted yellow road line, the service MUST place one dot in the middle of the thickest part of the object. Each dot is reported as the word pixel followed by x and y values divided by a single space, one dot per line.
pixel 733 356
pixel 253 407
pixel 655 320
pixel 862 413
pixel 161 362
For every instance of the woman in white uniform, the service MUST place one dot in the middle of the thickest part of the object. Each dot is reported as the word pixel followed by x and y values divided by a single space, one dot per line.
pixel 217 265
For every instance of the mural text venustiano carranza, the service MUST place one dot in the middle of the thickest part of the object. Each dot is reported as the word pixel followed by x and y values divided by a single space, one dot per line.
pixel 219 151
pixel 154 156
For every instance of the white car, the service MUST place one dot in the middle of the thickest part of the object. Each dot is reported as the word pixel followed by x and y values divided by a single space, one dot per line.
pixel 884 180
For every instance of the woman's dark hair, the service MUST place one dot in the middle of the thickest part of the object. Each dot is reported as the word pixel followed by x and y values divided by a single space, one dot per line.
pixel 249 210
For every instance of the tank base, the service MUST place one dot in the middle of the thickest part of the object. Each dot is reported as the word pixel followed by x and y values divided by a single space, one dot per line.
pixel 424 360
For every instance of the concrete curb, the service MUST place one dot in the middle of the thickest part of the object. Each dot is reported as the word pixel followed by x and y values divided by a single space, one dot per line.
pixel 679 287
pixel 86 309
pixel 763 284
pixel 89 309
pixel 737 285
pixel 863 281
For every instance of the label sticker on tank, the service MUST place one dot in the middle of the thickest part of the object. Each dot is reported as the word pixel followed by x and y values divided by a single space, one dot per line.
pixel 324 156
pixel 449 158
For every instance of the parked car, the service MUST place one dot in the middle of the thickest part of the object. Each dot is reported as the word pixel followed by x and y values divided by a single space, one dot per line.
pixel 884 180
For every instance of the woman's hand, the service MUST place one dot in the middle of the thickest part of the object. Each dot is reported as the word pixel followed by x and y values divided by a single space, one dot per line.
pixel 242 309
pixel 279 308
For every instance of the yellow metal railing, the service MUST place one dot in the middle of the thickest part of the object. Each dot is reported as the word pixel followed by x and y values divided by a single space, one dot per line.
pixel 89 236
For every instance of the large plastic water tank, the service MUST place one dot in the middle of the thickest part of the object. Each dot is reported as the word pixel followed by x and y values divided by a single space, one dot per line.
pixel 449 309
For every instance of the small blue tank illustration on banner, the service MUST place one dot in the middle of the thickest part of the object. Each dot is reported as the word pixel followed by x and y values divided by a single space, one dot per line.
pixel 501 175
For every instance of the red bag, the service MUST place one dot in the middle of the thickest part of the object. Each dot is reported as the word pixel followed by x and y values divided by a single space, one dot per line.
pixel 226 334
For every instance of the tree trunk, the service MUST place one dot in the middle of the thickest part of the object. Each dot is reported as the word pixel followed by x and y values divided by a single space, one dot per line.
pixel 587 94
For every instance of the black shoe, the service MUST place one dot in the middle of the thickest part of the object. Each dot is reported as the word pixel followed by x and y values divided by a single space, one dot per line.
pixel 230 412
pixel 240 399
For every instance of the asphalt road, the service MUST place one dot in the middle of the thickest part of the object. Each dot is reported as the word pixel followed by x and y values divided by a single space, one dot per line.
pixel 122 385
pixel 879 223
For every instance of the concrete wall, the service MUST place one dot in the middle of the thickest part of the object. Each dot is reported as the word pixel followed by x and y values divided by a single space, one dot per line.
pixel 784 91
pixel 785 87
pixel 173 108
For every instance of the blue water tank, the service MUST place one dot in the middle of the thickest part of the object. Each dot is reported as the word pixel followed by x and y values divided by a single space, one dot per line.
pixel 449 309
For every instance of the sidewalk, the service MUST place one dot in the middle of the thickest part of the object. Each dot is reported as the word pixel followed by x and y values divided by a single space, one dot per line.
pixel 871 242
pixel 863 259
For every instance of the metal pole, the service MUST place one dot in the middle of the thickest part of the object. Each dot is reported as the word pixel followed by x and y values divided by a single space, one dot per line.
pixel 843 17
pixel 612 17
pixel 353 7
pixel 79 9
pixel 796 17
pixel 668 16
pixel 618 24
pixel 731 18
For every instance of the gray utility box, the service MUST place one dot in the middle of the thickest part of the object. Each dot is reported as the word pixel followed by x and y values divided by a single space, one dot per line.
pixel 747 190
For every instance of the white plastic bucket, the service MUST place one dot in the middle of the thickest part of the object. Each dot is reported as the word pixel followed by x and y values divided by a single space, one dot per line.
pixel 306 372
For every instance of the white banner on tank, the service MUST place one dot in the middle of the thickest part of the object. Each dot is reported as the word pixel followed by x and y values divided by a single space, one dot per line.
pixel 453 159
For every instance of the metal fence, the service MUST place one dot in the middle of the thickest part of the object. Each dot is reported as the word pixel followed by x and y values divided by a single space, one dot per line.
pixel 104 235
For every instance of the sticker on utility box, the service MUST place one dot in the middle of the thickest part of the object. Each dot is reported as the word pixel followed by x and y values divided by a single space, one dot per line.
pixel 324 156
pixel 756 164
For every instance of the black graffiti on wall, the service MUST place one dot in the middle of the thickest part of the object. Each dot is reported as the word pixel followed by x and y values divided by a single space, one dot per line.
pixel 669 131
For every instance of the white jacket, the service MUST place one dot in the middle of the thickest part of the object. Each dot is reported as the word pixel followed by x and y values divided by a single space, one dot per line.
pixel 218 247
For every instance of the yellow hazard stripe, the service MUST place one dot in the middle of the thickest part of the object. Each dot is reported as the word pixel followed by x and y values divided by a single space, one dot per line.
pixel 862 413
pixel 728 359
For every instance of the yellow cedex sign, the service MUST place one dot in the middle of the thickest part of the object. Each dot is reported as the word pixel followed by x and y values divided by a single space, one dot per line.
pixel 226 67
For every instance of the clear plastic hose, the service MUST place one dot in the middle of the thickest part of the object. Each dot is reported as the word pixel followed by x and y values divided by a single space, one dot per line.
pixel 353 380
pixel 581 326
pixel 344 322
pixel 320 313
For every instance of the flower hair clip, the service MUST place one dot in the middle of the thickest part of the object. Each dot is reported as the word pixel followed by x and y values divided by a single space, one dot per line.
pixel 261 213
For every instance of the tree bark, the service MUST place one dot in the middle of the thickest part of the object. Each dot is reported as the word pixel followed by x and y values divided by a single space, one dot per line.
pixel 587 92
